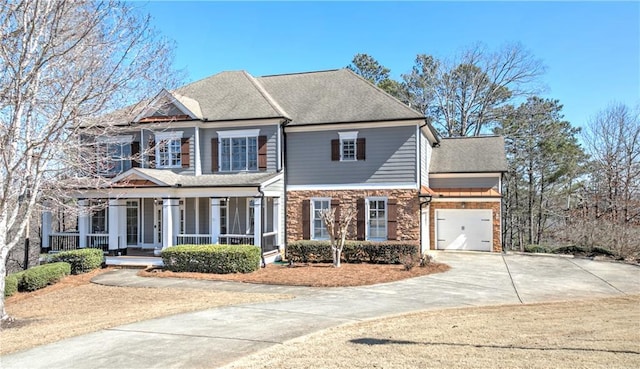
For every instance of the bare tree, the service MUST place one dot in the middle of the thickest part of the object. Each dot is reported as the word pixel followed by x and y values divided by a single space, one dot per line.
pixel 610 206
pixel 464 96
pixel 337 229
pixel 64 64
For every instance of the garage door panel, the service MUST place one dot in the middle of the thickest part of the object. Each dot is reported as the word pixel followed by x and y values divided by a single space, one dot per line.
pixel 464 230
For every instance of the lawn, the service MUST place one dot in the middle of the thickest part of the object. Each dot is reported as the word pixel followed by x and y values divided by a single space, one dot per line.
pixel 602 333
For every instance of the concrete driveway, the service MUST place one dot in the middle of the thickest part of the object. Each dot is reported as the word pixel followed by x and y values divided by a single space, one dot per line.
pixel 215 337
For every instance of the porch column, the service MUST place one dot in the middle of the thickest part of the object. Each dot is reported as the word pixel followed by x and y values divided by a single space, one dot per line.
pixel 83 222
pixel 257 221
pixel 276 219
pixel 117 223
pixel 46 227
pixel 170 221
pixel 214 224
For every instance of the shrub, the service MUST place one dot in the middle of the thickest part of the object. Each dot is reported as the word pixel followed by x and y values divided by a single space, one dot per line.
pixel 536 249
pixel 41 276
pixel 219 259
pixel 385 252
pixel 569 250
pixel 81 260
pixel 11 283
pixel 597 250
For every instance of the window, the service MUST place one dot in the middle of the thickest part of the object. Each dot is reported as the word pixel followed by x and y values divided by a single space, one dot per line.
pixel 224 218
pixel 132 222
pixel 318 228
pixel 377 219
pixel 99 217
pixel 114 155
pixel 238 150
pixel 251 215
pixel 348 148
pixel 168 146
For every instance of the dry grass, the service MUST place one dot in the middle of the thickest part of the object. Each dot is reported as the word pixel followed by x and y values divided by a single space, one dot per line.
pixel 314 274
pixel 74 306
pixel 584 334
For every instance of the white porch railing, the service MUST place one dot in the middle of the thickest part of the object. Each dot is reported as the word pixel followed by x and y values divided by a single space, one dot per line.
pixel 98 241
pixel 193 239
pixel 64 241
pixel 235 239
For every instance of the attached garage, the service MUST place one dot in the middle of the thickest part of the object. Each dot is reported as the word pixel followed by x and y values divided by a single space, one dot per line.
pixel 464 229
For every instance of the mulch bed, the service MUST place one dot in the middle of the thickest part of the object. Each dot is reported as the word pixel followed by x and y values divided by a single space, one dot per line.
pixel 313 274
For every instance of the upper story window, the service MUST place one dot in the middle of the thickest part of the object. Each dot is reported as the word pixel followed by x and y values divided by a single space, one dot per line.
pixel 348 147
pixel 114 155
pixel 238 150
pixel 168 149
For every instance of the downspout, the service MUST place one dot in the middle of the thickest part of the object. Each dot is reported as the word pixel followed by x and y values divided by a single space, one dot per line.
pixel 286 181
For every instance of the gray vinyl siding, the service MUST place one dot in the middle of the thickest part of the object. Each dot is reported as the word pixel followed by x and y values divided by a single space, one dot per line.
pixel 205 209
pixel 209 133
pixel 190 215
pixel 390 158
pixel 147 227
pixel 478 182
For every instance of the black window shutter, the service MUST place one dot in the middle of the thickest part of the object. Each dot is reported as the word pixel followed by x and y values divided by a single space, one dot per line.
pixel 335 150
pixel 306 217
pixel 360 149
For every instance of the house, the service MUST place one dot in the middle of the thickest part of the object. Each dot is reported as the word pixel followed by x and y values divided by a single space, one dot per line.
pixel 237 159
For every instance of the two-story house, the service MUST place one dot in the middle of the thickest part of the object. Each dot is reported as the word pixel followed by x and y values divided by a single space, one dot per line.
pixel 237 159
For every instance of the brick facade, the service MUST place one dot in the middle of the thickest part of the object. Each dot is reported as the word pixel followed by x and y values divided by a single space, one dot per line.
pixel 408 210
pixel 495 206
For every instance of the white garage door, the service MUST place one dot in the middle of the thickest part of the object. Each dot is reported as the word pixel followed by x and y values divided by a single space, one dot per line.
pixel 464 230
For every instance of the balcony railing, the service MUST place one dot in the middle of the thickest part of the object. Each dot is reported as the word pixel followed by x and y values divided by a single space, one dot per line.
pixel 193 239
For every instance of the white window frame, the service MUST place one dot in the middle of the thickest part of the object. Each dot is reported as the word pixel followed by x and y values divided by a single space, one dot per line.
pixel 120 141
pixel 165 138
pixel 348 137
pixel 224 205
pixel 230 135
pixel 312 214
pixel 101 207
pixel 368 218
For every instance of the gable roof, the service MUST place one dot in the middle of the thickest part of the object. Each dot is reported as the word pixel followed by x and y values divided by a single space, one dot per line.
pixel 334 96
pixel 484 154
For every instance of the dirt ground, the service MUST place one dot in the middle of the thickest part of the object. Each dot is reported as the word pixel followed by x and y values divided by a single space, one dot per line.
pixel 601 333
pixel 314 274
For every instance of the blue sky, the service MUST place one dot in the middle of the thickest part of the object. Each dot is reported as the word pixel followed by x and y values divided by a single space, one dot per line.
pixel 591 49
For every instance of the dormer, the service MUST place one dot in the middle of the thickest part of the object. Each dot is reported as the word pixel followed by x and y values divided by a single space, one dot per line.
pixel 168 107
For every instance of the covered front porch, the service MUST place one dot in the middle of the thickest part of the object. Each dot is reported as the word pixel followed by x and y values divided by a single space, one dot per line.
pixel 143 214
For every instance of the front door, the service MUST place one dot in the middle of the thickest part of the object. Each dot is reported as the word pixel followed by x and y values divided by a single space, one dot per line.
pixel 132 222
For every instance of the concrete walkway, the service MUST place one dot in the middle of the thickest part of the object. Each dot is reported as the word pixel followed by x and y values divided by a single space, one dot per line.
pixel 215 337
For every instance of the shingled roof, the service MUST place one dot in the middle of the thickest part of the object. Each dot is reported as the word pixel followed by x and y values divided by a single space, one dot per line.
pixel 333 96
pixel 469 155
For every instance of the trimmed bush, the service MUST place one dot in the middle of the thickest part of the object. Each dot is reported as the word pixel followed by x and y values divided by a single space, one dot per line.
pixel 385 252
pixel 43 275
pixel 536 249
pixel 81 260
pixel 569 250
pixel 218 259
pixel 11 283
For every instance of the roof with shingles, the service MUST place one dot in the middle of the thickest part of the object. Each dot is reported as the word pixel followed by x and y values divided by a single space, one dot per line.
pixel 484 154
pixel 334 96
